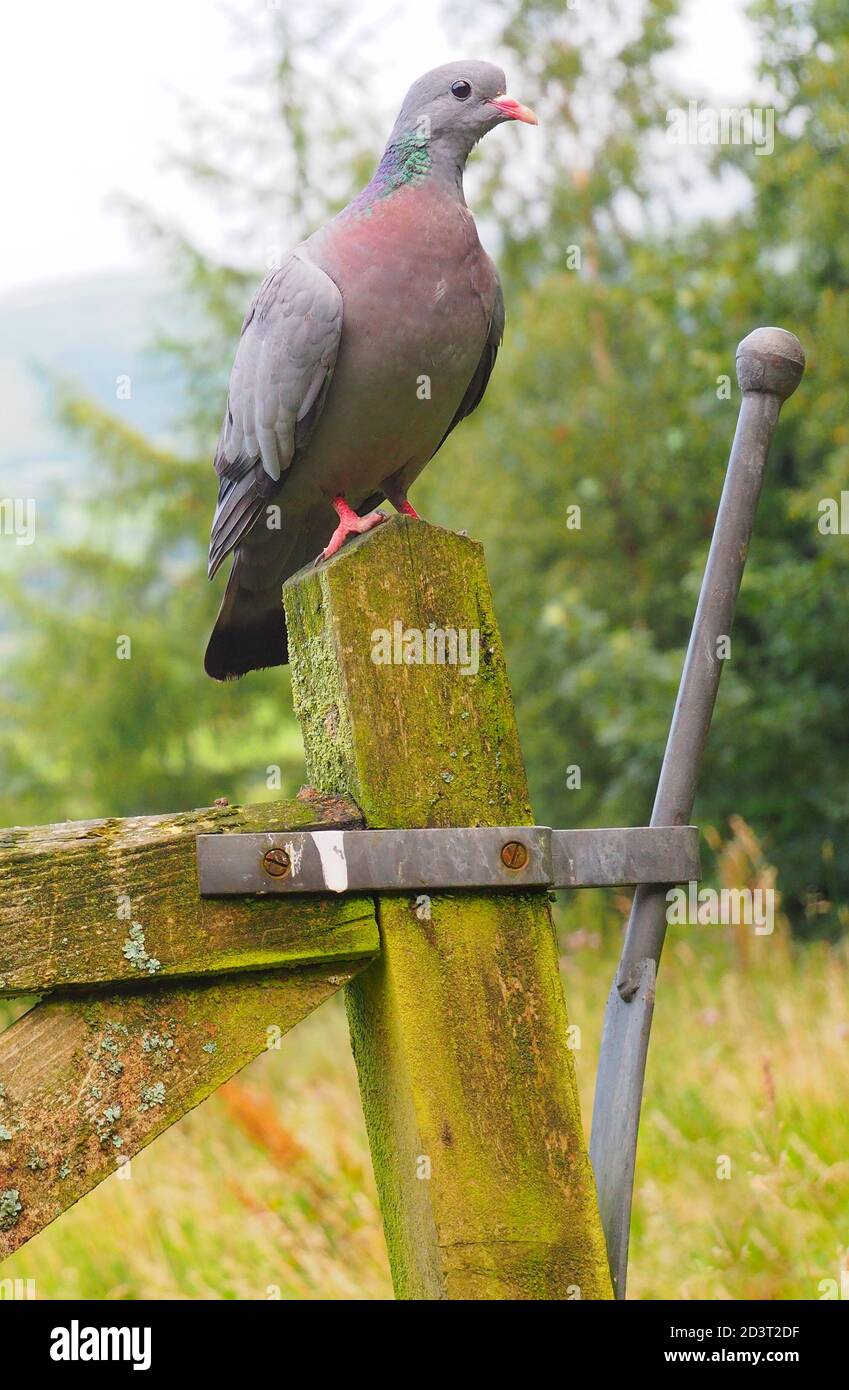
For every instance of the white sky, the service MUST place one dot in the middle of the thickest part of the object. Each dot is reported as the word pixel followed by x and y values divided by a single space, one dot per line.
pixel 89 102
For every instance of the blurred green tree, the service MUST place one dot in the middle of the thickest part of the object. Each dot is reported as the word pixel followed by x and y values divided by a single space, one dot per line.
pixel 97 724
pixel 613 405
pixel 612 396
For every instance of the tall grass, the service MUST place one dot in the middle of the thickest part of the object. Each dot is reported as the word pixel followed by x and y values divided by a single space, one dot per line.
pixel 743 1172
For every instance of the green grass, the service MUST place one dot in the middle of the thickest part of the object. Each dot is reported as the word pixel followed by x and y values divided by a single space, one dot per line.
pixel 266 1190
pixel 747 1073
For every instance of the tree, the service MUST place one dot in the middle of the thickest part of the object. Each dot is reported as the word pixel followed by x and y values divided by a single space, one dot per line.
pixel 592 470
pixel 612 398
pixel 112 711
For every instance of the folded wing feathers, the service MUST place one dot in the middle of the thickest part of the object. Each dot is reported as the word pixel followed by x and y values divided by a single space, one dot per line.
pixel 283 366
pixel 479 382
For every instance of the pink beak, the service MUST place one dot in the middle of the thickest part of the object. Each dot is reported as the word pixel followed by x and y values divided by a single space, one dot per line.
pixel 514 110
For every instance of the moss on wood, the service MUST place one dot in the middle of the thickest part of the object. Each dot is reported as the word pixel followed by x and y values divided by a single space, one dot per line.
pixel 89 1081
pixel 459 1027
pixel 91 902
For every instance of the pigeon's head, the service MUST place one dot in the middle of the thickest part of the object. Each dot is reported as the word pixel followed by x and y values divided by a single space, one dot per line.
pixel 454 105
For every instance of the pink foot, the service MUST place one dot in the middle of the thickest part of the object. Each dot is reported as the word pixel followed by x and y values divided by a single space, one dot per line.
pixel 407 509
pixel 349 525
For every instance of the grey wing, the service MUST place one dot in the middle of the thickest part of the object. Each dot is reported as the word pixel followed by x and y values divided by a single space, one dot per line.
pixel 284 363
pixel 479 382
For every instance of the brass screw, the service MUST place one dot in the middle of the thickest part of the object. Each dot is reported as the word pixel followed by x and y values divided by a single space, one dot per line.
pixel 276 862
pixel 514 854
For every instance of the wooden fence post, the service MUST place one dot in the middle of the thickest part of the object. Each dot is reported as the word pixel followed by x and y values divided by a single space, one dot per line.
pixel 459 1028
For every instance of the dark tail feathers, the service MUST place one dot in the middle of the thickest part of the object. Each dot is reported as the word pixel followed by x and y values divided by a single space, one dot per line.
pixel 249 632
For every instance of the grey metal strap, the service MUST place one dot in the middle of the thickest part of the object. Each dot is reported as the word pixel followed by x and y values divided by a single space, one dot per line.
pixel 373 861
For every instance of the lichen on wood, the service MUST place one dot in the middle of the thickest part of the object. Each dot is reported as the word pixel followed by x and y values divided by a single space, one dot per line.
pixel 88 902
pixel 90 1080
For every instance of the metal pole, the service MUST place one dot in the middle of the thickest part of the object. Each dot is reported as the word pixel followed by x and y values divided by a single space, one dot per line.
pixel 770 363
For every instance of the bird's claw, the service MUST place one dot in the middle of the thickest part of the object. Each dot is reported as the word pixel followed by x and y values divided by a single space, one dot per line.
pixel 347 528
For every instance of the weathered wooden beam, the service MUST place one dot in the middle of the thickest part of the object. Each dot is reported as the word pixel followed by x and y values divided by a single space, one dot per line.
pixel 85 1082
pixel 89 902
pixel 459 1028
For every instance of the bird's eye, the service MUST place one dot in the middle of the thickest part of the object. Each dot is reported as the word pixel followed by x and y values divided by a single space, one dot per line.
pixel 462 90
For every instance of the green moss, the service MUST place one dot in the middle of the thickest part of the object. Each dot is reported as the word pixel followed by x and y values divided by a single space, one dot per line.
pixel 339 694
pixel 316 690
pixel 459 1027
pixel 105 831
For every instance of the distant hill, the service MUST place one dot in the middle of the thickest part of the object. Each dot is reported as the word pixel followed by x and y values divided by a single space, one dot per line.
pixel 92 330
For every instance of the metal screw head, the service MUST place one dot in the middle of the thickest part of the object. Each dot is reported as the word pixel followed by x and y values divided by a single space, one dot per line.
pixel 276 862
pixel 514 855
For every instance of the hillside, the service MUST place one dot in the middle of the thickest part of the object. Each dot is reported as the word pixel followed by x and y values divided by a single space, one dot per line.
pixel 92 331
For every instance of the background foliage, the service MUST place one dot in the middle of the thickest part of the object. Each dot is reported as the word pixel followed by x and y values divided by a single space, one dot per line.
pixel 266 1191
pixel 608 394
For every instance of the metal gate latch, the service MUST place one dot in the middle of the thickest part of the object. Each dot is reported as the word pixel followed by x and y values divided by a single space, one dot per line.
pixel 378 861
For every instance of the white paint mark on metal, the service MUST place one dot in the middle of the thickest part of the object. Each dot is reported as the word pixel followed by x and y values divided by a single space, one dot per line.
pixel 331 851
pixel 296 854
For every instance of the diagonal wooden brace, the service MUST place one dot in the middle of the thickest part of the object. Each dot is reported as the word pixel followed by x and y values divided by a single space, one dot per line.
pixel 90 1076
pixel 87 1081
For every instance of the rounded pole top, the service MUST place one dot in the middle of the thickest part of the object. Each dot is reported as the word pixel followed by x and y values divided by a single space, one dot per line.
pixel 770 360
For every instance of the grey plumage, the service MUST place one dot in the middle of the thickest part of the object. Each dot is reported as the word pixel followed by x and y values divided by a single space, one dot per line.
pixel 324 397
pixel 284 362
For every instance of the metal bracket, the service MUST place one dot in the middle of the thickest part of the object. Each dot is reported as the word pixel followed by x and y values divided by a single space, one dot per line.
pixel 378 861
